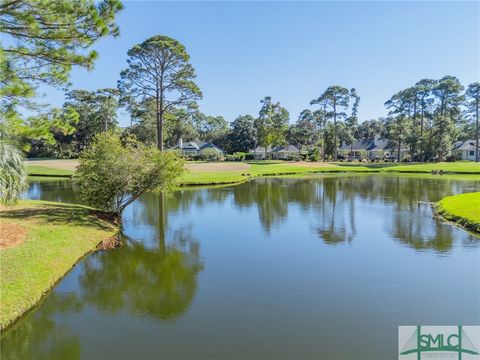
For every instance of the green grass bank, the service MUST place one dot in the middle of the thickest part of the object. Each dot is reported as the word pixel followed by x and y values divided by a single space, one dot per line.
pixel 272 168
pixel 463 209
pixel 48 172
pixel 57 235
pixel 205 174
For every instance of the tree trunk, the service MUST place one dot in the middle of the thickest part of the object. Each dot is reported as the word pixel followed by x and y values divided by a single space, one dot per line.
pixel 399 146
pixel 160 111
pixel 477 155
pixel 421 134
pixel 324 153
pixel 335 153
pixel 159 131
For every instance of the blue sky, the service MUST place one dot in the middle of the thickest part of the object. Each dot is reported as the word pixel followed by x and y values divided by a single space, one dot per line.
pixel 243 51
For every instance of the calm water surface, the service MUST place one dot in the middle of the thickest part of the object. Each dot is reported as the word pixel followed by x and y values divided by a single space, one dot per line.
pixel 317 268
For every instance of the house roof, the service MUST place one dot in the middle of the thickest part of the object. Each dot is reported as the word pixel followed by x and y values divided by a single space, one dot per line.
pixel 189 145
pixel 464 145
pixel 372 144
pixel 270 149
pixel 210 145
pixel 287 148
pixel 261 149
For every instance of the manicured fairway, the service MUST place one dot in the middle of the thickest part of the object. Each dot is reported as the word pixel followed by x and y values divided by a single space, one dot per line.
pixel 205 173
pixel 47 171
pixel 461 167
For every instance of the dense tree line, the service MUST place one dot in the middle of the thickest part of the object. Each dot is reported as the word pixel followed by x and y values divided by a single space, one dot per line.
pixel 426 118
pixel 157 89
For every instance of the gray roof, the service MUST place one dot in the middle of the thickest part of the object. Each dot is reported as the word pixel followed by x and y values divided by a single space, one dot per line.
pixel 261 149
pixel 210 145
pixel 287 148
pixel 198 145
pixel 464 145
pixel 190 145
pixel 270 149
pixel 368 145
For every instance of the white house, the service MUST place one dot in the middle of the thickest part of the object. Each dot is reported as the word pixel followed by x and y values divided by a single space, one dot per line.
pixel 286 152
pixel 277 153
pixel 465 150
pixel 373 148
pixel 260 153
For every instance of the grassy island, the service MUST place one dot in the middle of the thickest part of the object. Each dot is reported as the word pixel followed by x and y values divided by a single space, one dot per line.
pixel 463 209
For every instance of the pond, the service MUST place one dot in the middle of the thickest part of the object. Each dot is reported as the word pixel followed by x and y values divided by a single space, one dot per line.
pixel 322 267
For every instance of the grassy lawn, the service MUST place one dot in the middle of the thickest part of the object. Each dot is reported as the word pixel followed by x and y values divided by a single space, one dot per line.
pixel 461 167
pixel 57 236
pixel 212 178
pixel 265 168
pixel 463 209
pixel 46 171
pixel 204 173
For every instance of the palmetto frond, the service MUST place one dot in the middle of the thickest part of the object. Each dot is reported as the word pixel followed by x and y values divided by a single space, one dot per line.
pixel 13 175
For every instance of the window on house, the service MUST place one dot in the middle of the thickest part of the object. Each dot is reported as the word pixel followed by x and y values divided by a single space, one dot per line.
pixel 472 153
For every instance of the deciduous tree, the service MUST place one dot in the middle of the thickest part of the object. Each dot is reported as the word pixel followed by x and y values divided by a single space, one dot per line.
pixel 304 132
pixel 242 135
pixel 210 128
pixel 272 124
pixel 111 175
pixel 97 113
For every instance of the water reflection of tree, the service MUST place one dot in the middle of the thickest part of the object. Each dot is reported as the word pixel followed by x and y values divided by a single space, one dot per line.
pixel 421 231
pixel 337 215
pixel 53 190
pixel 327 198
pixel 40 336
pixel 332 200
pixel 159 283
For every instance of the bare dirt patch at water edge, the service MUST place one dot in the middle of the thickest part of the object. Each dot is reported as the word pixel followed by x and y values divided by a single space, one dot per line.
pixel 11 235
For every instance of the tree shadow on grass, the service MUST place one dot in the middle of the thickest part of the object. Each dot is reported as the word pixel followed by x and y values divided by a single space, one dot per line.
pixel 60 215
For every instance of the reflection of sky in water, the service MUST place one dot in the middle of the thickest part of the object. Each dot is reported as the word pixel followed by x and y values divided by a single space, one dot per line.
pixel 273 268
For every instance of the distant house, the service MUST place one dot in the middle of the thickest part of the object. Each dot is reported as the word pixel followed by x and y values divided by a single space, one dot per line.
pixel 191 148
pixel 465 150
pixel 260 153
pixel 212 146
pixel 285 152
pixel 373 148
pixel 276 153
